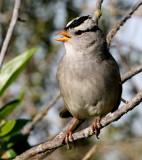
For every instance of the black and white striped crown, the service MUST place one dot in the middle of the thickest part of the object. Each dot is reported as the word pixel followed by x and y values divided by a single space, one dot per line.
pixel 77 21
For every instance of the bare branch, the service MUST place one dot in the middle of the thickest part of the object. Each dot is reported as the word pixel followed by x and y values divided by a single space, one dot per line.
pixel 43 148
pixel 85 133
pixel 112 117
pixel 97 12
pixel 114 30
pixel 40 116
pixel 10 31
pixel 131 73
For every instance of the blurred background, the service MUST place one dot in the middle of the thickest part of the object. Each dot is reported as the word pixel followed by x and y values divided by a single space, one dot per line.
pixel 39 21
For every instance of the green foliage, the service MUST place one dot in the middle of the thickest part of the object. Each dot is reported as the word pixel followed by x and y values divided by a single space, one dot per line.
pixel 10 129
pixel 9 154
pixel 7 127
pixel 12 126
pixel 11 70
pixel 8 108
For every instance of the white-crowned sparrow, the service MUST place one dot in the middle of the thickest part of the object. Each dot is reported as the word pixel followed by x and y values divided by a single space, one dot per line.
pixel 88 76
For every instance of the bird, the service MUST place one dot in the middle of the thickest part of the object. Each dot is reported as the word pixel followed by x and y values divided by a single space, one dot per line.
pixel 88 76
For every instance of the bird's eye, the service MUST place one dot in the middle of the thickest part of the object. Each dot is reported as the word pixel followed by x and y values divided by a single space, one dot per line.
pixel 79 32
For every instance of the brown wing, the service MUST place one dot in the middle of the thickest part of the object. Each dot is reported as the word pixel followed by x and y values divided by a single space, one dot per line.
pixel 119 98
pixel 64 113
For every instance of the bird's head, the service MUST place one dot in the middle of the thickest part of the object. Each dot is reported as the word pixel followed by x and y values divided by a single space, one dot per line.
pixel 80 32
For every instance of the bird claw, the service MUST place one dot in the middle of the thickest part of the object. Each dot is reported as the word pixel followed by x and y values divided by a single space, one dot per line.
pixel 95 126
pixel 68 137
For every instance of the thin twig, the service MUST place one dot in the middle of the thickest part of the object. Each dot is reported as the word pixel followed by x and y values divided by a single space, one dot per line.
pixel 97 11
pixel 85 133
pixel 90 153
pixel 124 101
pixel 40 116
pixel 128 75
pixel 114 30
pixel 10 31
pixel 131 73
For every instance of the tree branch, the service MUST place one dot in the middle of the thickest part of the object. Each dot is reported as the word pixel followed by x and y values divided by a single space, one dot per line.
pixel 114 30
pixel 97 11
pixel 85 133
pixel 10 31
pixel 137 99
pixel 131 73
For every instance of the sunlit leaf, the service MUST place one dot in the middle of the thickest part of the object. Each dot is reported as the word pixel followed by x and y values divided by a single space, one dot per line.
pixel 12 126
pixel 11 70
pixel 7 127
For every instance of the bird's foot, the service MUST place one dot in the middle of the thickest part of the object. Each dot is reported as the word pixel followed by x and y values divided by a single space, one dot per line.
pixel 95 126
pixel 68 135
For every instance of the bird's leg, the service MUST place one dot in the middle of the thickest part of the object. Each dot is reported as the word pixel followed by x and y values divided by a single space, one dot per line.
pixel 68 134
pixel 95 125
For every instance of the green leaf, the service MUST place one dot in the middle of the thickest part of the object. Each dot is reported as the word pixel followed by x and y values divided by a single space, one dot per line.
pixel 20 123
pixel 8 108
pixel 7 127
pixel 11 70
pixel 13 126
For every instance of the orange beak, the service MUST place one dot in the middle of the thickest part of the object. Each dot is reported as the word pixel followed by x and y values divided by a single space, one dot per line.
pixel 65 34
